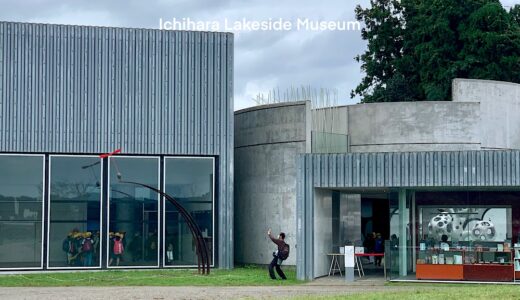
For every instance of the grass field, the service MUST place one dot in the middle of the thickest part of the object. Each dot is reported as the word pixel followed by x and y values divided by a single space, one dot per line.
pixel 237 277
pixel 253 276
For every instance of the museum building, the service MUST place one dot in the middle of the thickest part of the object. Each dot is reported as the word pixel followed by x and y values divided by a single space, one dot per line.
pixel 439 181
pixel 71 93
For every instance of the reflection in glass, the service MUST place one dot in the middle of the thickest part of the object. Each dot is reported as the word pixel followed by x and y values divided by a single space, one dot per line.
pixel 21 185
pixel 189 181
pixel 466 225
pixel 75 211
pixel 133 222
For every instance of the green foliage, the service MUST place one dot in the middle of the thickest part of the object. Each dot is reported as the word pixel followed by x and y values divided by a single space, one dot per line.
pixel 515 14
pixel 416 47
pixel 383 28
pixel 491 45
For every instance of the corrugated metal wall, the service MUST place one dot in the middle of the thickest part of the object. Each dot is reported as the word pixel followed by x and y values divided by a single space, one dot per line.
pixel 82 89
pixel 414 169
pixel 410 170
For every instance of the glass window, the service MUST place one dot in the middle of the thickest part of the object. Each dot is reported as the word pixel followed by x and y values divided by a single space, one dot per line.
pixel 189 181
pixel 75 211
pixel 21 199
pixel 133 214
pixel 464 225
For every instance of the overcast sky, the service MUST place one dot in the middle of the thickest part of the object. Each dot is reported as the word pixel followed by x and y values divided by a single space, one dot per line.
pixel 263 60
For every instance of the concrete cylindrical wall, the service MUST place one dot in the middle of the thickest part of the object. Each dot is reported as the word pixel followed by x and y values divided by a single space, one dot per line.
pixel 267 141
pixel 499 110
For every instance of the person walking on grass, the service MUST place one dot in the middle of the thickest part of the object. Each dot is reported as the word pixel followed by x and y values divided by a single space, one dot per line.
pixel 279 255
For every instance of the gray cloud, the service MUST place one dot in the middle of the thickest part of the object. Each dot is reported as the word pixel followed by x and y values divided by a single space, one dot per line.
pixel 263 60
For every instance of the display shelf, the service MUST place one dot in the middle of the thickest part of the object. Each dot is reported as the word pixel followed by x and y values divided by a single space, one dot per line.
pixel 488 272
pixel 516 262
pixel 439 272
pixel 471 264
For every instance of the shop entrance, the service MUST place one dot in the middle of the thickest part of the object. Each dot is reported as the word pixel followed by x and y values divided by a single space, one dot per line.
pixel 375 218
pixel 348 218
pixel 375 230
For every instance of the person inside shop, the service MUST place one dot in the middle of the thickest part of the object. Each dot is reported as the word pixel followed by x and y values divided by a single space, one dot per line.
pixel 379 247
pixel 368 244
pixel 445 245
pixel 279 255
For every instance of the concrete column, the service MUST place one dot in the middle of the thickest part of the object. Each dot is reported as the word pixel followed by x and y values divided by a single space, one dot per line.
pixel 403 220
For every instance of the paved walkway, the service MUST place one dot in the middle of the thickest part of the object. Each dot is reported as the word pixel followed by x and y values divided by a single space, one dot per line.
pixel 325 286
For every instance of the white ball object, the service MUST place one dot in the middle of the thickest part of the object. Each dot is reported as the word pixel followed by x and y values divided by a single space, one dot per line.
pixel 483 231
pixel 441 224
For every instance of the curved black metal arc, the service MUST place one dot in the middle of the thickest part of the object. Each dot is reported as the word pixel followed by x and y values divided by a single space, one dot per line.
pixel 202 247
pixel 197 234
pixel 202 250
pixel 201 244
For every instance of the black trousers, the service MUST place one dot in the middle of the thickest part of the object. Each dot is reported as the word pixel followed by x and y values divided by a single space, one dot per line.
pixel 274 264
pixel 378 260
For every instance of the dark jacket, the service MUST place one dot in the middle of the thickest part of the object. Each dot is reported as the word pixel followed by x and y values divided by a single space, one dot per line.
pixel 278 242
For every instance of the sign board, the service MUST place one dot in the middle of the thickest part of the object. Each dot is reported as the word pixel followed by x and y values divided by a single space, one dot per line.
pixel 349 256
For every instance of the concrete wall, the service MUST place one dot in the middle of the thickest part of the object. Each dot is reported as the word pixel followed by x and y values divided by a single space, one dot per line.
pixel 267 142
pixel 414 126
pixel 484 114
pixel 322 231
pixel 499 110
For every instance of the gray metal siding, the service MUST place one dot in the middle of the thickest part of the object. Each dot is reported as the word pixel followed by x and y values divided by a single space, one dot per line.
pixel 415 169
pixel 92 89
pixel 82 89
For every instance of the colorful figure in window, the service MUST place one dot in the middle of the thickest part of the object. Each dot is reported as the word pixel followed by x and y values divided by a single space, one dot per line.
pixel 118 248
pixel 87 248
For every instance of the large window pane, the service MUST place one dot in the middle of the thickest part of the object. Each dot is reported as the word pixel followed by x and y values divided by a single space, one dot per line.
pixel 189 181
pixel 464 225
pixel 21 194
pixel 75 211
pixel 134 214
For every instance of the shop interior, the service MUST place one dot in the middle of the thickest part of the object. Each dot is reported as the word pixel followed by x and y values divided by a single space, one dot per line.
pixel 456 236
pixel 441 235
pixel 345 218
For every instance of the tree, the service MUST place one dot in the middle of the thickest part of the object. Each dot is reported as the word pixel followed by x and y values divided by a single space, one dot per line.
pixel 384 31
pixel 491 45
pixel 416 47
pixel 515 14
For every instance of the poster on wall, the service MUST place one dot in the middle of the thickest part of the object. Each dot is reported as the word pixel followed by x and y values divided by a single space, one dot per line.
pixel 469 224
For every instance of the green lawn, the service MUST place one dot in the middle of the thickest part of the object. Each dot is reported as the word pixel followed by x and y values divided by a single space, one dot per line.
pixel 422 291
pixel 236 277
